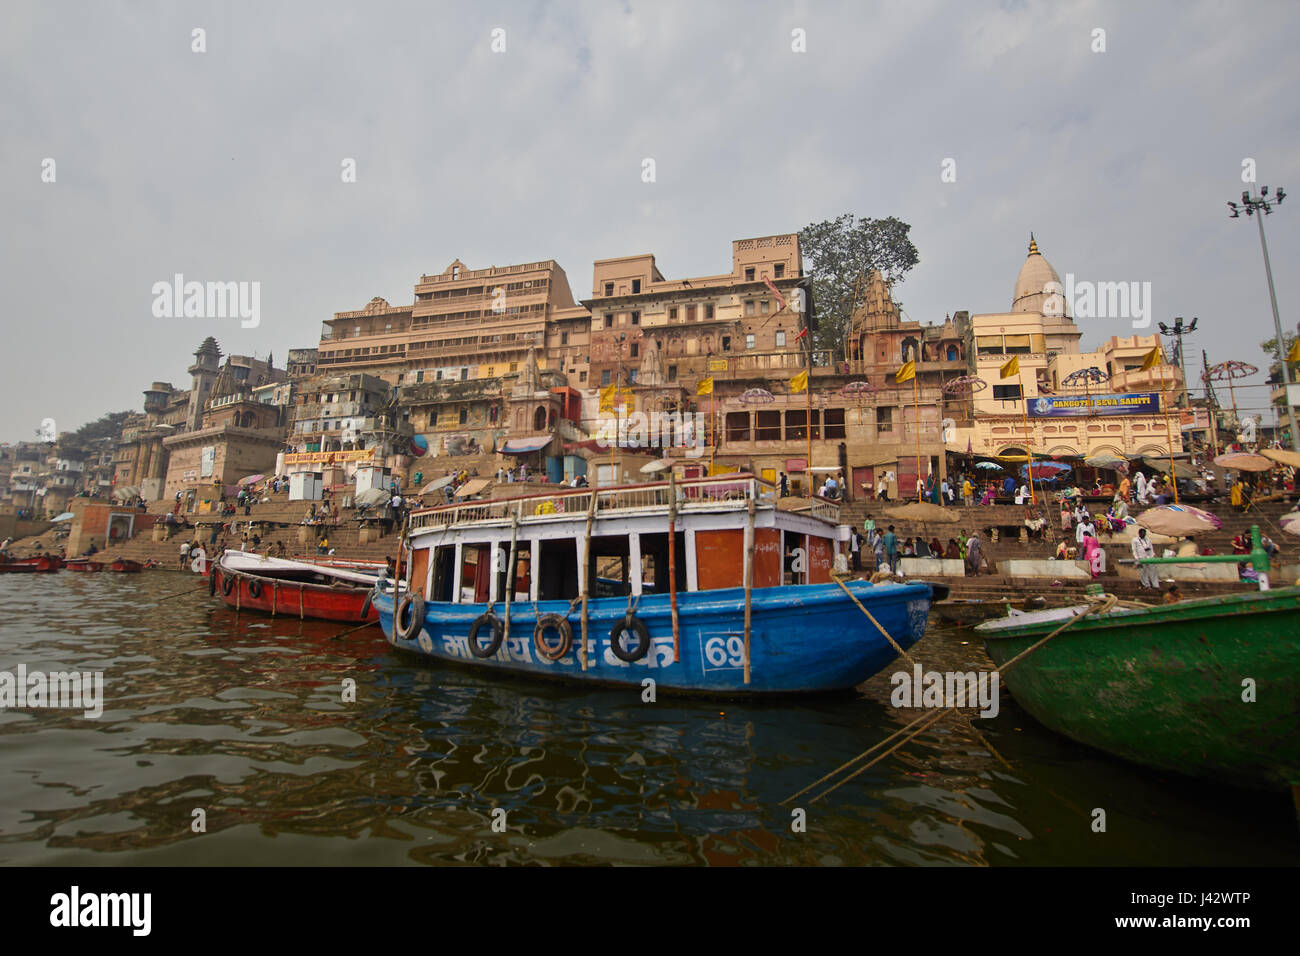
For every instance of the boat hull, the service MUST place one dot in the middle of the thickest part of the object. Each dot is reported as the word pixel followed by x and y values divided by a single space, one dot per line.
pixel 1164 686
pixel 804 639
pixel 293 598
pixel 125 566
pixel 84 565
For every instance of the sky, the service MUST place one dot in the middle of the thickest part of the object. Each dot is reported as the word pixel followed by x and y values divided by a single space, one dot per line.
pixel 228 165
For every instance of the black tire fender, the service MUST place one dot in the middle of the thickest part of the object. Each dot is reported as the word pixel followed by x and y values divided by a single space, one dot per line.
pixel 414 603
pixel 254 588
pixel 498 634
pixel 227 584
pixel 632 623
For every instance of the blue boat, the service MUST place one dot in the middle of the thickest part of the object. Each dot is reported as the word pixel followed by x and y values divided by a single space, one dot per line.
pixel 706 586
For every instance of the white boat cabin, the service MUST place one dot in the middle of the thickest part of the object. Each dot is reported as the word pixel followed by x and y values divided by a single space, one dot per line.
pixel 456 548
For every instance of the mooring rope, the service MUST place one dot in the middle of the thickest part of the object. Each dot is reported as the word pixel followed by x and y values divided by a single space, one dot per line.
pixel 920 724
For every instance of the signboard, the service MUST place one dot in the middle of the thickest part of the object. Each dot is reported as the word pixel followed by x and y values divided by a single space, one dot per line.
pixel 1067 406
pixel 329 457
pixel 1193 419
pixel 1293 394
pixel 207 458
pixel 717 365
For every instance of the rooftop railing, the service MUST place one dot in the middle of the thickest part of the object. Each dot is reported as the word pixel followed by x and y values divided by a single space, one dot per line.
pixel 719 493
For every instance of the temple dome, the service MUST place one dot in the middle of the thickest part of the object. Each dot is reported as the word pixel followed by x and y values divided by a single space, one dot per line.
pixel 1035 275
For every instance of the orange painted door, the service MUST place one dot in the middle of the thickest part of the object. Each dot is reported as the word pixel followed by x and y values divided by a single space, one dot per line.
pixel 419 570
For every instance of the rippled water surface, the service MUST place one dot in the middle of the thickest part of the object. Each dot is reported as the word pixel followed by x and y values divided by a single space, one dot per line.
pixel 242 716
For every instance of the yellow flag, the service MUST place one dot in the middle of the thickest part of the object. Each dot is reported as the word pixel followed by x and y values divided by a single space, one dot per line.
pixel 800 382
pixel 906 373
pixel 1012 367
pixel 1153 359
pixel 705 387
pixel 1294 354
pixel 607 397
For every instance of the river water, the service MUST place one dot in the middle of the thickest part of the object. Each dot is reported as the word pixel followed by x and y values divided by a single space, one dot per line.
pixel 242 717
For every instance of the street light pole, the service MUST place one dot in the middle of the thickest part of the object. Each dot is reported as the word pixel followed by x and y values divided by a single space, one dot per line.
pixel 1260 206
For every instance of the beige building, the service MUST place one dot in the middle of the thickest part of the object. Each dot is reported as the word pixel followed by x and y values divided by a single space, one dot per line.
pixel 1120 412
pixel 464 324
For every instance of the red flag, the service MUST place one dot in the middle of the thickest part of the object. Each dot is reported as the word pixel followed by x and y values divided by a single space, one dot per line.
pixel 776 292
pixel 802 333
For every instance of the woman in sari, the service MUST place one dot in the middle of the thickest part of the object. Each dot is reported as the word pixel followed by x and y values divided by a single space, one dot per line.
pixel 1092 554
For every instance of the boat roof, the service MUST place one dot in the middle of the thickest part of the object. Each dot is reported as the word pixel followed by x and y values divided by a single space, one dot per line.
pixel 255 563
pixel 716 495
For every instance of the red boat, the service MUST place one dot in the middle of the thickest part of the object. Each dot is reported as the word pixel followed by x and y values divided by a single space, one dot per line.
pixel 42 563
pixel 83 564
pixel 125 566
pixel 281 586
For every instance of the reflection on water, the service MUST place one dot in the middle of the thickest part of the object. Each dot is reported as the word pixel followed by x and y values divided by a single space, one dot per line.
pixel 244 717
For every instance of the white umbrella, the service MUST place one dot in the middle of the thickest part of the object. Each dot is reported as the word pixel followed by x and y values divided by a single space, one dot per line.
pixel 66 516
pixel 655 466
pixel 437 483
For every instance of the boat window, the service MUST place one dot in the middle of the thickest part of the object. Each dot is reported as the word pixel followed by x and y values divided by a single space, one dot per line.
pixel 444 559
pixel 607 565
pixel 557 569
pixel 654 562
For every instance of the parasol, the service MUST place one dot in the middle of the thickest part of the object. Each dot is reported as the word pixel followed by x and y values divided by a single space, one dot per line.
pixel 250 480
pixel 651 468
pixel 924 511
pixel 756 396
pixel 1055 468
pixel 66 516
pixel 857 388
pixel 964 382
pixel 1243 461
pixel 1281 456
pixel 1105 461
pixel 1178 520
pixel 1290 523
pixel 988 465
pixel 1161 465
pixel 437 483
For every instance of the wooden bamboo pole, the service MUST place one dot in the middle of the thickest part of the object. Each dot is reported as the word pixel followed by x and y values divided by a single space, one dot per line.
pixel 510 570
pixel 584 569
pixel 749 574
pixel 1024 417
pixel 916 425
pixel 672 562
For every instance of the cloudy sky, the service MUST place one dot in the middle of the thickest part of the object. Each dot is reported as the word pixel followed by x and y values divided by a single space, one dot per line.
pixel 226 165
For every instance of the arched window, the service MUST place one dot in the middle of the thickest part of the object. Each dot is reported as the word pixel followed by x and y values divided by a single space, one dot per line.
pixel 539 418
pixel 952 353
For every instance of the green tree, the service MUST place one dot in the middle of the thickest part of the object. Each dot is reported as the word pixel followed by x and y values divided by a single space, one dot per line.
pixel 105 427
pixel 1269 348
pixel 842 250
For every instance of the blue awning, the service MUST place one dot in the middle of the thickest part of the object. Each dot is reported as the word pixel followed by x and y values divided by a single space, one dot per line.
pixel 525 446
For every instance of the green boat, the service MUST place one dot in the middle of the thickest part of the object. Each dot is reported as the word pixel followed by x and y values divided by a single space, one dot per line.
pixel 1163 686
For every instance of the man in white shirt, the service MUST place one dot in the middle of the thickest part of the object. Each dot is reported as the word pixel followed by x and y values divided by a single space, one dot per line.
pixel 185 554
pixel 1148 575
pixel 1084 529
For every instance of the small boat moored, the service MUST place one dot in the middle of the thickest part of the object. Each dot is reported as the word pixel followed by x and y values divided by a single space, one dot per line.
pixel 1205 687
pixel 83 564
pixel 284 586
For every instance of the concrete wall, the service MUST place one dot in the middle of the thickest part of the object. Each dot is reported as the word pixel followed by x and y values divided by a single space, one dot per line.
pixel 930 567
pixel 1044 569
